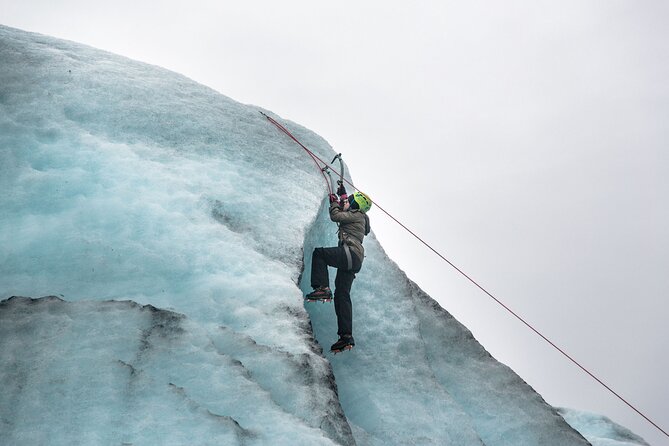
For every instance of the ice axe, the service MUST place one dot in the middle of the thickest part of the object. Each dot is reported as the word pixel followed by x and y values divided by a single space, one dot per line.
pixel 326 170
pixel 340 181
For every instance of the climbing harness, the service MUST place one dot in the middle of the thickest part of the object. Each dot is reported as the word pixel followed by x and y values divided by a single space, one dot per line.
pixel 318 160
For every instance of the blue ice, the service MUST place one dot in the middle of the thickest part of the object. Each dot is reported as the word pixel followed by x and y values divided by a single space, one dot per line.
pixel 170 225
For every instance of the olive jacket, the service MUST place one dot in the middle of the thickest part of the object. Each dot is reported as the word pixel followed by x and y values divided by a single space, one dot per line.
pixel 353 227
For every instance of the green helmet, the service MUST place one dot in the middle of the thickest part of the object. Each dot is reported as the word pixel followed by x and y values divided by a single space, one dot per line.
pixel 360 201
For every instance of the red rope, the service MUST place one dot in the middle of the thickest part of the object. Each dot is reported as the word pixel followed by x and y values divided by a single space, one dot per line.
pixel 313 156
pixel 565 354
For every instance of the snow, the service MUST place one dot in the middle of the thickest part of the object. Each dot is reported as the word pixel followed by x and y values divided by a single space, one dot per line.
pixel 170 226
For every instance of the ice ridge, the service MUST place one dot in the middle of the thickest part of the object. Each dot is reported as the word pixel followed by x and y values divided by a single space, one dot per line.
pixel 156 208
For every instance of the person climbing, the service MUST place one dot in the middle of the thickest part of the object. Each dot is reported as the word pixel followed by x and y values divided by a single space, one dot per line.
pixel 350 213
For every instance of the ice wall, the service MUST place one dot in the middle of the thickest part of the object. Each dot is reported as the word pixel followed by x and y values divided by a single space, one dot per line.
pixel 415 363
pixel 129 182
pixel 125 181
pixel 600 430
pixel 120 373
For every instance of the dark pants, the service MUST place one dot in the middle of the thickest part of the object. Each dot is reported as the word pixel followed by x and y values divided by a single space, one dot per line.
pixel 324 257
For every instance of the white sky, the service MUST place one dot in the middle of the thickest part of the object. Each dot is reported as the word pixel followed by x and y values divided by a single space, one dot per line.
pixel 527 140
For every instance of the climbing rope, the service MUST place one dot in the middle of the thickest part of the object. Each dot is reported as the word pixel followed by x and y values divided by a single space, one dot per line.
pixel 313 156
pixel 317 159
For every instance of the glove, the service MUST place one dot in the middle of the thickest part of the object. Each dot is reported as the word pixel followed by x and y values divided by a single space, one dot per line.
pixel 341 190
pixel 333 198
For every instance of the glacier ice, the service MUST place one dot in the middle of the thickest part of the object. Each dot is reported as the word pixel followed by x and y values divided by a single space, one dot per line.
pixel 117 372
pixel 600 430
pixel 173 224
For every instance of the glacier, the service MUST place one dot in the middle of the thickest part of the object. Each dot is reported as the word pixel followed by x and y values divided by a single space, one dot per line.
pixel 154 235
pixel 600 430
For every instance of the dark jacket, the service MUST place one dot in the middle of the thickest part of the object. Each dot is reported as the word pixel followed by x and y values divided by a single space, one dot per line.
pixel 353 227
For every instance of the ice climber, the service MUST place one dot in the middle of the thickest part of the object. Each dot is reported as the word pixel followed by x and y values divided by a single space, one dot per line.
pixel 350 213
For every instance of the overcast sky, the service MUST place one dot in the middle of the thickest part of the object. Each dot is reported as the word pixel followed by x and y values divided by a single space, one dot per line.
pixel 528 141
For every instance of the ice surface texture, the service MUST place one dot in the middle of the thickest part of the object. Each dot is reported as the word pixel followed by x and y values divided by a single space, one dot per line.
pixel 127 182
pixel 600 430
pixel 118 373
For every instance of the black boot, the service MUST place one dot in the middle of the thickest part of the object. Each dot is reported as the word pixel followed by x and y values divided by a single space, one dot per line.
pixel 345 342
pixel 321 293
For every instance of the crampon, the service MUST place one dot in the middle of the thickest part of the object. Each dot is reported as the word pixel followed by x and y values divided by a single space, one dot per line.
pixel 322 294
pixel 319 299
pixel 341 350
pixel 344 343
